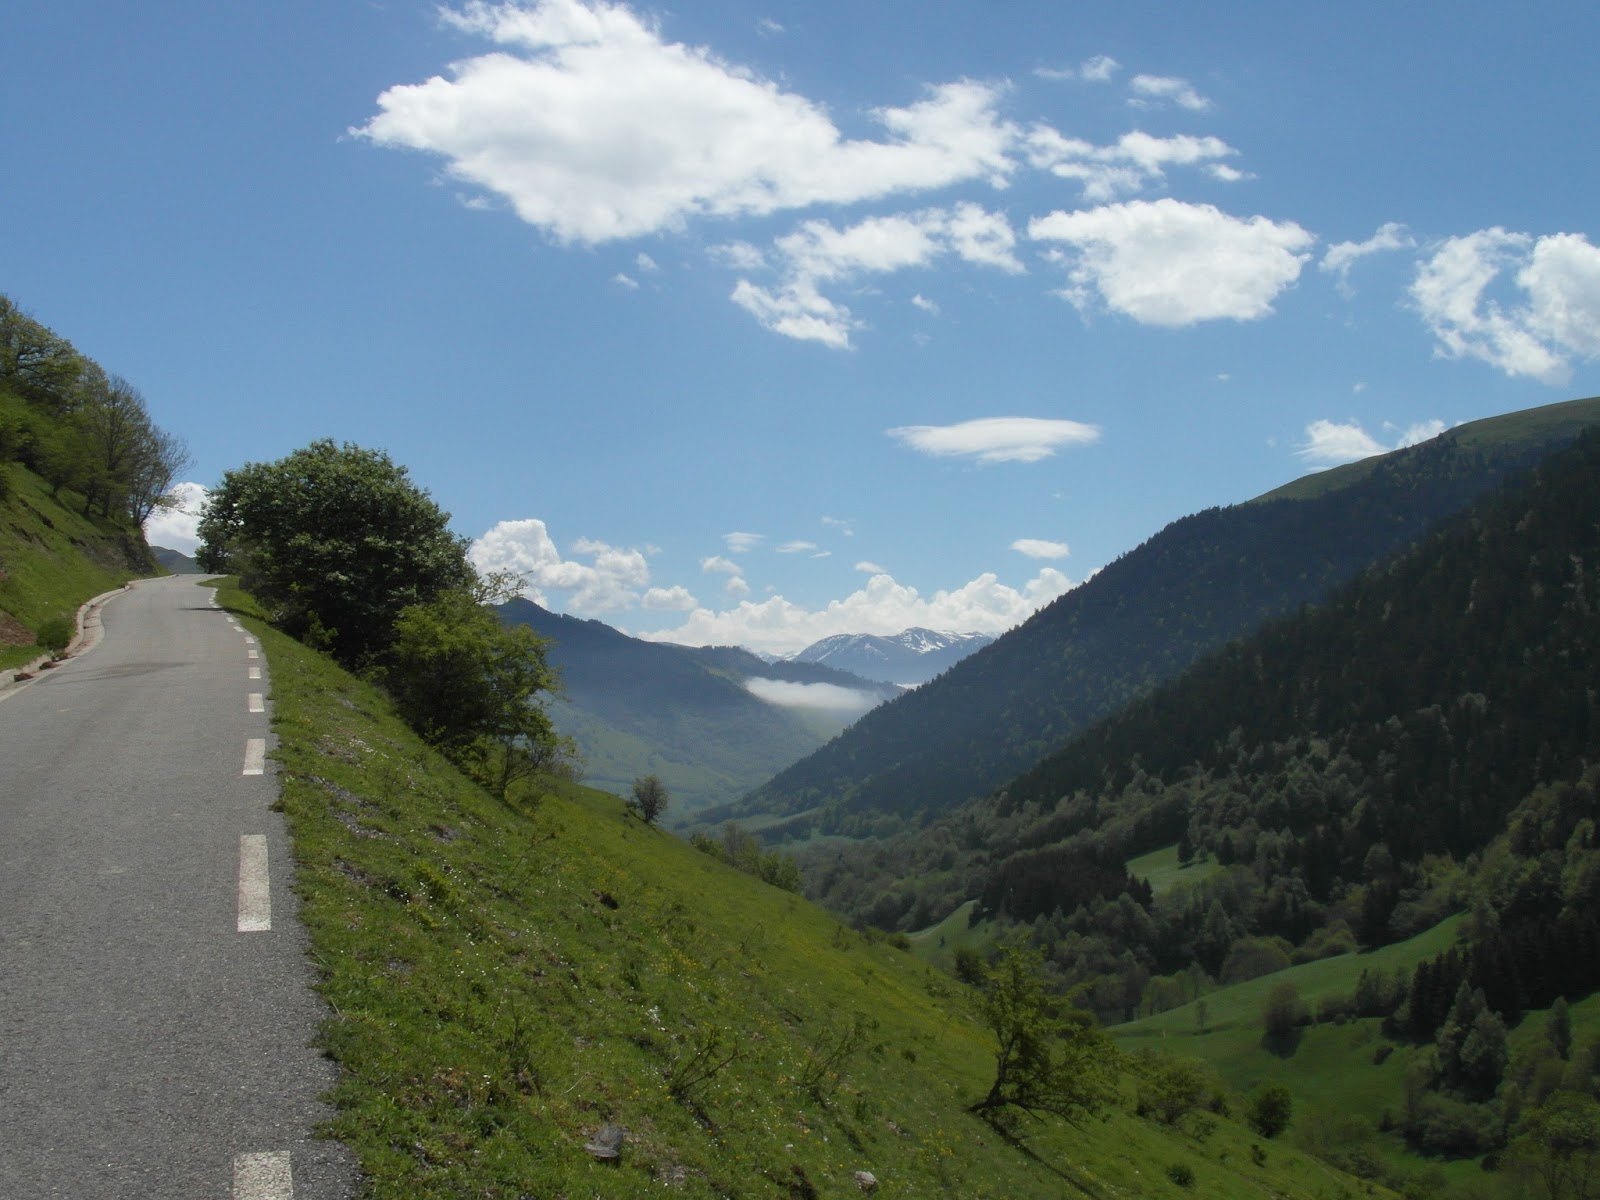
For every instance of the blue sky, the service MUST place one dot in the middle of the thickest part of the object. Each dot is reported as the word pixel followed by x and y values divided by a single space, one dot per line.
pixel 758 322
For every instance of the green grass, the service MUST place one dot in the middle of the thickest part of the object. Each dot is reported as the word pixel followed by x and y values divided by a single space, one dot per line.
pixel 507 978
pixel 1161 869
pixel 1511 429
pixel 1233 1014
pixel 52 559
pixel 1330 1069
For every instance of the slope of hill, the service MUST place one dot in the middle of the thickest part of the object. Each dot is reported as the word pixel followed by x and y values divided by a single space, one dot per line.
pixel 710 722
pixel 1199 583
pixel 53 558
pixel 911 657
pixel 1425 740
pixel 520 988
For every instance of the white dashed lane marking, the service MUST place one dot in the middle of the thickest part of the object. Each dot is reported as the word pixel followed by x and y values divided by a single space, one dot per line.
pixel 257 702
pixel 252 652
pixel 255 672
pixel 264 1176
pixel 255 887
pixel 255 756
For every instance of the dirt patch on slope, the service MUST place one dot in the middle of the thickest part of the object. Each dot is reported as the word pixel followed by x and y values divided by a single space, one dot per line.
pixel 13 632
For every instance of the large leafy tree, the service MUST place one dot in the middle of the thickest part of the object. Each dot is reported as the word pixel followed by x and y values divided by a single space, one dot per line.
pixel 336 540
pixel 1047 1060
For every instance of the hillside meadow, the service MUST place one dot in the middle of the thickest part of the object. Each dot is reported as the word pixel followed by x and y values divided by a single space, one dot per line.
pixel 512 983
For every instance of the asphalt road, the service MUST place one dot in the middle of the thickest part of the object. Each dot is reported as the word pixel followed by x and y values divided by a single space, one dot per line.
pixel 155 1003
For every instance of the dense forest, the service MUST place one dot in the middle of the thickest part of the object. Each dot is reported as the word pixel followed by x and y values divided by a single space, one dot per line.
pixel 1201 582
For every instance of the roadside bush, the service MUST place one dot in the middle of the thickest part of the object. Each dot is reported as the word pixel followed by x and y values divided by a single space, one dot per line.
pixel 55 634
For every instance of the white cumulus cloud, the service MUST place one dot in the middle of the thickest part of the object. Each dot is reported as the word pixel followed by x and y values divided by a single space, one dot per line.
pixel 610 581
pixel 177 528
pixel 883 606
pixel 1168 263
pixel 672 599
pixel 594 126
pixel 818 253
pixel 1098 69
pixel 997 439
pixel 1533 323
pixel 1137 160
pixel 1341 256
pixel 1329 443
pixel 1156 91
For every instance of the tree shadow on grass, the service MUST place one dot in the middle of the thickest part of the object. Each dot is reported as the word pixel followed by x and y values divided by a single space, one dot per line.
pixel 1282 1042
pixel 1016 1142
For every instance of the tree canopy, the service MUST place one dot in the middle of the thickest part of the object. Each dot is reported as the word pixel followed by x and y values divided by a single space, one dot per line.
pixel 336 540
pixel 80 429
pixel 1046 1061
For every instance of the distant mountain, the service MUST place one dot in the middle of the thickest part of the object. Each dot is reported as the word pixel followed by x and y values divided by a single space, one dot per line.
pixel 909 658
pixel 711 721
pixel 175 561
pixel 1199 583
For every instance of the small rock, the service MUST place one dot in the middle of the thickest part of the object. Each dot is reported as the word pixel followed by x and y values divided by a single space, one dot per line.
pixel 607 1143
pixel 866 1181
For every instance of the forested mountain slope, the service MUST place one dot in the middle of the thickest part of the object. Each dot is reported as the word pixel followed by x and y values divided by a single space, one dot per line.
pixel 1426 741
pixel 684 713
pixel 1199 583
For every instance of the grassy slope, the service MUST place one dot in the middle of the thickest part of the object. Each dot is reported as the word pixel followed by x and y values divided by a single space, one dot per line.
pixel 1328 1068
pixel 53 558
pixel 507 979
pixel 1522 428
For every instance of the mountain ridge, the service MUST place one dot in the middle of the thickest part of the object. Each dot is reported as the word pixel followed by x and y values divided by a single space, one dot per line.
pixel 912 656
pixel 687 714
pixel 1200 582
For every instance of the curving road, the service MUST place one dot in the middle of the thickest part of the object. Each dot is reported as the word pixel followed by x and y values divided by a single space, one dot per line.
pixel 155 1003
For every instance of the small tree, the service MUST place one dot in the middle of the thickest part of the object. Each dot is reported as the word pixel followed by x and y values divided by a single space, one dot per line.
pixel 473 686
pixel 1283 1010
pixel 1170 1086
pixel 649 798
pixel 1558 1027
pixel 1047 1061
pixel 1270 1110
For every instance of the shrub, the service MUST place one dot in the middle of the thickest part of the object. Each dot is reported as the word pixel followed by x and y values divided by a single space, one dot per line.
pixel 1169 1086
pixel 1283 1010
pixel 1335 1009
pixel 1270 1109
pixel 1181 1174
pixel 55 634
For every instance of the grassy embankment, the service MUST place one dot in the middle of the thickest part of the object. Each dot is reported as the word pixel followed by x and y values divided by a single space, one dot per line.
pixel 52 559
pixel 507 979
